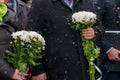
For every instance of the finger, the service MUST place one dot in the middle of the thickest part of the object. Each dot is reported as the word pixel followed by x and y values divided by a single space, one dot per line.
pixel 87 35
pixel 26 74
pixel 116 58
pixel 86 31
pixel 27 70
pixel 24 78
pixel 113 59
pixel 88 38
pixel 119 54
pixel 18 78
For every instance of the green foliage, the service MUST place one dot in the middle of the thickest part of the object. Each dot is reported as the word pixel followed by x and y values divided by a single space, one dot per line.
pixel 24 54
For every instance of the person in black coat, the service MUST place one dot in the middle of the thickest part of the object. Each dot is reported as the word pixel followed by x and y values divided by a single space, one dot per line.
pixel 109 62
pixel 11 23
pixel 63 58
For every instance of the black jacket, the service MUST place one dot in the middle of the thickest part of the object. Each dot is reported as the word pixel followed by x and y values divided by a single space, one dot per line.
pixel 63 59
pixel 12 22
pixel 6 70
pixel 109 14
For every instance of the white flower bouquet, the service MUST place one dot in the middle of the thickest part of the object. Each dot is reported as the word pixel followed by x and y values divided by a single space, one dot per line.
pixel 83 20
pixel 26 48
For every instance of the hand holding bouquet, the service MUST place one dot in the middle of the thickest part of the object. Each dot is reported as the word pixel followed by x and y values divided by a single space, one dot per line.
pixel 26 48
pixel 83 20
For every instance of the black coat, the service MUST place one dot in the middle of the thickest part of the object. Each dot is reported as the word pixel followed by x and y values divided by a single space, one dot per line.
pixel 6 70
pixel 109 13
pixel 63 59
pixel 11 22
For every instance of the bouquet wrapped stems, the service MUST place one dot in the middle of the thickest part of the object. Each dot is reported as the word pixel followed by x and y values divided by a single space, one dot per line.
pixel 83 20
pixel 26 49
pixel 91 54
pixel 92 72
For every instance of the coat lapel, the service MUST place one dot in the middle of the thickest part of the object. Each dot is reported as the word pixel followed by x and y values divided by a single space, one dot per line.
pixel 74 4
pixel 63 3
pixel 81 4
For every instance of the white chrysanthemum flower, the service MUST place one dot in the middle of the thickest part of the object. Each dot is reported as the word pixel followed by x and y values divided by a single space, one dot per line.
pixel 33 34
pixel 83 17
pixel 23 35
pixel 27 35
pixel 18 33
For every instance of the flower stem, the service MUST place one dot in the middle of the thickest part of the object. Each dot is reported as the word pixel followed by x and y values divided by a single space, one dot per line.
pixel 92 71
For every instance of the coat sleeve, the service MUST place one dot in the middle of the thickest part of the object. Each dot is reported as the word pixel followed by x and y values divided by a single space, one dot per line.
pixel 36 23
pixel 100 7
pixel 5 69
pixel 99 30
pixel 104 45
